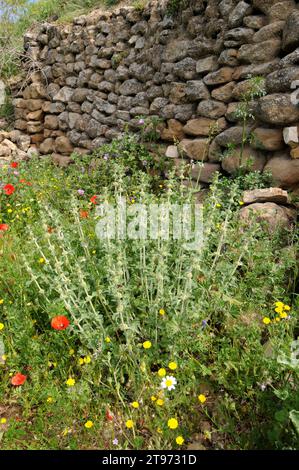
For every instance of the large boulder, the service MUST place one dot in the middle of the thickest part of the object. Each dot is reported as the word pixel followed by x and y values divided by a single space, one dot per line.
pixel 281 80
pixel 285 171
pixel 248 158
pixel 262 52
pixel 267 139
pixel 271 216
pixel 277 109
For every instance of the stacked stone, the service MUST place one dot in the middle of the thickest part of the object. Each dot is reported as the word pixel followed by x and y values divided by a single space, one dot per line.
pixel 29 115
pixel 109 68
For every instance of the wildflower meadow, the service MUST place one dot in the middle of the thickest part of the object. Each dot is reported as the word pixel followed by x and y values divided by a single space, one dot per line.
pixel 124 343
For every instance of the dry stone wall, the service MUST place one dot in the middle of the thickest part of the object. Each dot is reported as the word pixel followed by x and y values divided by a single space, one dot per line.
pixel 97 76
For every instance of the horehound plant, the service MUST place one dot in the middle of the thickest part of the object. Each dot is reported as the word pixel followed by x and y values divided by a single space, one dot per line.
pixel 118 286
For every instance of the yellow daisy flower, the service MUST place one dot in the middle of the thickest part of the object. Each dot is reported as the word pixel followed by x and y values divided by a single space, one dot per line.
pixel 172 423
pixel 88 424
pixel 180 440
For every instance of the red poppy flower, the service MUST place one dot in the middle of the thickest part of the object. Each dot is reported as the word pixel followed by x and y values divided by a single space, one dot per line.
pixel 25 182
pixel 109 415
pixel 14 164
pixel 9 189
pixel 18 379
pixel 84 214
pixel 93 199
pixel 4 227
pixel 60 322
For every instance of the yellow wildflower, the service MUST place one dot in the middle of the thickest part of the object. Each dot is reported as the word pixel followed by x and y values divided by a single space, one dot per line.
pixel 160 402
pixel 107 339
pixel 1 301
pixel 162 311
pixel 49 400
pixel 266 320
pixel 71 352
pixel 283 315
pixel 3 420
pixel 180 440
pixel 1 326
pixel 147 344
pixel 88 424
pixel 161 372
pixel 172 423
pixel 135 404
pixel 87 359
pixel 172 365
pixel 81 361
pixel 202 398
pixel 129 424
pixel 153 398
pixel 70 382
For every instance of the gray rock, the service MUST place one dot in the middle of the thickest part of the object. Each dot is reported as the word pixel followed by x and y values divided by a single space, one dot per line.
pixel 281 80
pixel 291 32
pixel 80 95
pixel 130 87
pixel 104 106
pixel 272 30
pixel 255 21
pixel 228 57
pixel 277 109
pixel 185 69
pixel 208 64
pixel 219 77
pixel 236 16
pixel 262 52
pixel 211 109
pixel 239 35
pixel 64 95
pixel 196 90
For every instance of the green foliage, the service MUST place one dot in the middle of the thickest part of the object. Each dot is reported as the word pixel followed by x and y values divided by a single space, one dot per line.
pixel 7 109
pixel 176 6
pixel 202 310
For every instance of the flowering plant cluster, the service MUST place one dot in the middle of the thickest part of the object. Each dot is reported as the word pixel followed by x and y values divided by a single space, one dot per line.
pixel 140 344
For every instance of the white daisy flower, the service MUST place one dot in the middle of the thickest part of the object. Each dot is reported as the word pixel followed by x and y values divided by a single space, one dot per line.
pixel 169 382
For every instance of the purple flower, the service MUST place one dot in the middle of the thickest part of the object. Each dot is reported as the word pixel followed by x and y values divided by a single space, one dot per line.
pixel 115 442
pixel 16 173
pixel 141 121
pixel 106 156
pixel 81 192
pixel 204 324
